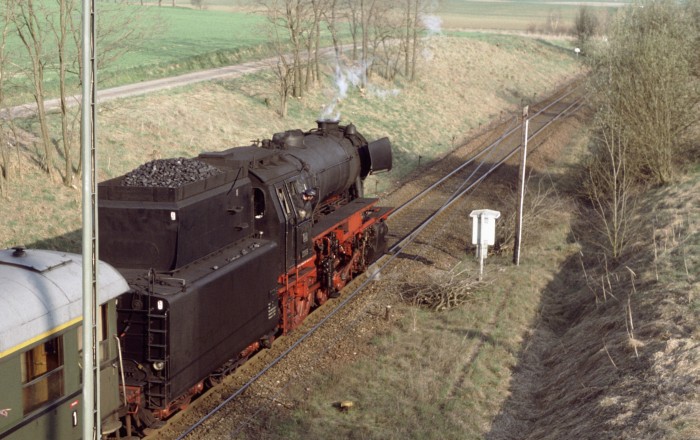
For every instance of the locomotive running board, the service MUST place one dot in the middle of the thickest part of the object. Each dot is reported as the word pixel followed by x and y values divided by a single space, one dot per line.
pixel 330 221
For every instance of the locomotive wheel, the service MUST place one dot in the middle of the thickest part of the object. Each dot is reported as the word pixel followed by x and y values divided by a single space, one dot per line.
pixel 321 297
pixel 302 307
pixel 214 380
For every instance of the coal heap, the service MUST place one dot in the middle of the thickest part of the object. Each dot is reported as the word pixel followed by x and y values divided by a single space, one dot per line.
pixel 169 173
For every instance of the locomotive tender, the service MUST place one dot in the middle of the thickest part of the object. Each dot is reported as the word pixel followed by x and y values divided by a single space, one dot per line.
pixel 220 265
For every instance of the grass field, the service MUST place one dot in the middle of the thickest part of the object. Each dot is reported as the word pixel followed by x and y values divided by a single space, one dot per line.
pixel 552 17
pixel 171 41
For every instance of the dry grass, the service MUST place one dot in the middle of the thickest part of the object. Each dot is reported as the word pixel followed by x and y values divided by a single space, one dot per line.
pixel 565 346
pixel 464 83
pixel 434 374
pixel 616 354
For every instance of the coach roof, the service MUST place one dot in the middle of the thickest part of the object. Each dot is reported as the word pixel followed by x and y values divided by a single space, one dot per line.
pixel 41 293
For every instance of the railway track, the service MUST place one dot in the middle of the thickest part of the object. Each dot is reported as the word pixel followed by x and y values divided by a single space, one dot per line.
pixel 258 385
pixel 464 173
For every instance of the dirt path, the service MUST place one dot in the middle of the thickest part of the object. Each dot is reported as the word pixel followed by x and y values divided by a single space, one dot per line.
pixel 142 88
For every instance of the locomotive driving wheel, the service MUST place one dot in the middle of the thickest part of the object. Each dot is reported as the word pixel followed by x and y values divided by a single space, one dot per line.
pixel 321 297
pixel 302 307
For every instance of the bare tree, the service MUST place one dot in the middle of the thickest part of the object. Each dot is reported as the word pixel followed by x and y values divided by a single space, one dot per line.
pixel 285 68
pixel 367 10
pixel 417 12
pixel 30 23
pixel 290 26
pixel 318 7
pixel 585 25
pixel 387 28
pixel 285 76
pixel 120 31
pixel 419 16
pixel 4 63
pixel 312 26
pixel 63 38
pixel 608 185
pixel 289 16
pixel 330 15
pixel 354 22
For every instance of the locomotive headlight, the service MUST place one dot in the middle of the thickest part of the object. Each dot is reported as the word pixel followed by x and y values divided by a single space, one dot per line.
pixel 158 366
pixel 159 304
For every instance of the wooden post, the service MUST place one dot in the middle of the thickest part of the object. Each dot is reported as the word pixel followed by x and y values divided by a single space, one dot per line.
pixel 521 188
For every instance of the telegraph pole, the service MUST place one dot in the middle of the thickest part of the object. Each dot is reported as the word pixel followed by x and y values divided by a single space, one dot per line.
pixel 521 189
pixel 91 366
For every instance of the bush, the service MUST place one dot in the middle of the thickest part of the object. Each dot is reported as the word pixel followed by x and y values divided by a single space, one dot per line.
pixel 585 26
pixel 644 86
pixel 645 79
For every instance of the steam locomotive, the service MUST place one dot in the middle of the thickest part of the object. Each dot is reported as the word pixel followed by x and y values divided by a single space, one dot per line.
pixel 205 261
pixel 222 264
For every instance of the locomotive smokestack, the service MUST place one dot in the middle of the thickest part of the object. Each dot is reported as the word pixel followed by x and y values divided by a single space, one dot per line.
pixel 327 125
pixel 376 156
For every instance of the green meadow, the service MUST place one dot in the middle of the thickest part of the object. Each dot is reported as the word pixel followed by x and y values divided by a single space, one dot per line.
pixel 151 42
pixel 551 17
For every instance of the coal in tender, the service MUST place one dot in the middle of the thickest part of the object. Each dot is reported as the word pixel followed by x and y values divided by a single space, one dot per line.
pixel 169 173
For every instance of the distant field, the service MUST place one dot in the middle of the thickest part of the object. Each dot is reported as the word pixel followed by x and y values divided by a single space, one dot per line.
pixel 185 33
pixel 514 15
pixel 177 40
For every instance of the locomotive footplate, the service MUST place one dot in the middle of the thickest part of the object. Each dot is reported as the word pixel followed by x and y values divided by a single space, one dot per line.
pixel 342 214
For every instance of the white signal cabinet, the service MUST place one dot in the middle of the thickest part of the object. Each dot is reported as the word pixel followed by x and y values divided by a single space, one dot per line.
pixel 484 226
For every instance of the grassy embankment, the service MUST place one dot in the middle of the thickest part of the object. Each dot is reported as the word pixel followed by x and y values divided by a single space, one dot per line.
pixel 463 84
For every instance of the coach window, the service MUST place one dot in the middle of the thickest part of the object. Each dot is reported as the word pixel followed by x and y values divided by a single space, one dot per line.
pixel 42 374
pixel 102 330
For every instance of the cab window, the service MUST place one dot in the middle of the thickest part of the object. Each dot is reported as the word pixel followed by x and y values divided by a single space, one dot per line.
pixel 259 202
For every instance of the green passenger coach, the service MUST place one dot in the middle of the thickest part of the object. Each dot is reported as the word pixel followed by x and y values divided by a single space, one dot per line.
pixel 41 345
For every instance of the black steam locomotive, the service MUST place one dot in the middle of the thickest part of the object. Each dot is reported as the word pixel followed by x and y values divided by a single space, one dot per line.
pixel 224 257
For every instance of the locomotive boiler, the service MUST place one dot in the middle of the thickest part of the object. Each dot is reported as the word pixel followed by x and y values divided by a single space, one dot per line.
pixel 226 251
